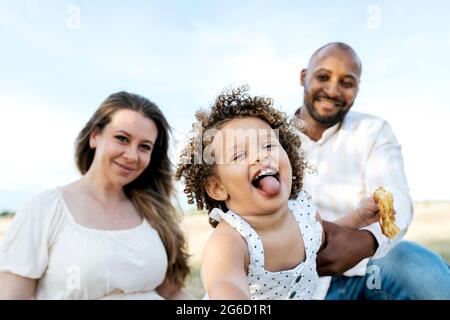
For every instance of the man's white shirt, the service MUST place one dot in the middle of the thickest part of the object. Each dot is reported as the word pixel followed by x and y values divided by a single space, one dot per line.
pixel 352 159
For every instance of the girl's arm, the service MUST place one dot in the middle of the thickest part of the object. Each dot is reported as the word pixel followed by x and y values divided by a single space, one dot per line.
pixel 224 265
pixel 15 287
pixel 366 214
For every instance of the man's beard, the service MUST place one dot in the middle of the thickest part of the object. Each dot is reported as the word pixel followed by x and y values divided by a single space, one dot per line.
pixel 327 121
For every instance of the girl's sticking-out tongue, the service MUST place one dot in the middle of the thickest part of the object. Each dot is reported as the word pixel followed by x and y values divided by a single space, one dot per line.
pixel 270 185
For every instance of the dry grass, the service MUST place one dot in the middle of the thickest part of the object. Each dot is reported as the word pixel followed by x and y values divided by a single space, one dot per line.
pixel 430 227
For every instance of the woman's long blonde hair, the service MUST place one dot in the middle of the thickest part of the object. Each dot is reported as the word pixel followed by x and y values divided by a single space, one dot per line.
pixel 151 193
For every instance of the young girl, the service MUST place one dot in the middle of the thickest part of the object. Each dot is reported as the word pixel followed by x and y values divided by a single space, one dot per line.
pixel 249 179
pixel 113 233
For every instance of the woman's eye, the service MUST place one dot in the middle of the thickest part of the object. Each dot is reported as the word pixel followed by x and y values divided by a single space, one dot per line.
pixel 146 147
pixel 122 138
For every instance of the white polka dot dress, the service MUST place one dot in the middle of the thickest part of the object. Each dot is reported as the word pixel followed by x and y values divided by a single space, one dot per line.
pixel 298 283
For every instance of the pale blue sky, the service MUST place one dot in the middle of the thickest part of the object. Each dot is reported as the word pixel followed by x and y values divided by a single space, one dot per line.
pixel 56 67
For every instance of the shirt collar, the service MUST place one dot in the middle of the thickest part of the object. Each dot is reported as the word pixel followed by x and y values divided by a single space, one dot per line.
pixel 326 135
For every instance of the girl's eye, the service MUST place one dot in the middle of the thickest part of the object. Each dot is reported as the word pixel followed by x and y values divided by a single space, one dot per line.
pixel 122 138
pixel 270 146
pixel 239 156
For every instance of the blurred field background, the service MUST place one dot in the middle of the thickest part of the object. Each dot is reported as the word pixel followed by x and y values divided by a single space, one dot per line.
pixel 430 227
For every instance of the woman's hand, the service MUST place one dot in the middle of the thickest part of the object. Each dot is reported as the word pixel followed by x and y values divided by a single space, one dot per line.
pixel 171 291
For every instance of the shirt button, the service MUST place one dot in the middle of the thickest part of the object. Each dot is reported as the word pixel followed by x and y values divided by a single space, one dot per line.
pixel 298 279
pixel 292 295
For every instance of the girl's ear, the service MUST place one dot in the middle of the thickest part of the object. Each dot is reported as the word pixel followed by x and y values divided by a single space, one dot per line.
pixel 216 190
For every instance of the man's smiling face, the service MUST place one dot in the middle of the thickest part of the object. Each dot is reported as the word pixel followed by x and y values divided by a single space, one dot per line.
pixel 331 84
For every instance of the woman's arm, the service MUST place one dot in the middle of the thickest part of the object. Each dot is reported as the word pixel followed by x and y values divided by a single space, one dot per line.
pixel 224 265
pixel 15 287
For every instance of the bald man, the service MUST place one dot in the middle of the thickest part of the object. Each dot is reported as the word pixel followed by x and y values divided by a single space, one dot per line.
pixel 354 154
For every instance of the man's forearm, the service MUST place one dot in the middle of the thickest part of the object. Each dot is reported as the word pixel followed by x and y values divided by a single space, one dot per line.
pixel 344 249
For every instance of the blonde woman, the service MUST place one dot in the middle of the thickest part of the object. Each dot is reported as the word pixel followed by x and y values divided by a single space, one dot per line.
pixel 112 234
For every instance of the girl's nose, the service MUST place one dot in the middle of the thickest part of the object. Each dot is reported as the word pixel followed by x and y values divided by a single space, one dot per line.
pixel 262 157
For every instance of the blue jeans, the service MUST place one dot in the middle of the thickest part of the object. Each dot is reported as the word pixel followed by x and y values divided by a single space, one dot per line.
pixel 408 271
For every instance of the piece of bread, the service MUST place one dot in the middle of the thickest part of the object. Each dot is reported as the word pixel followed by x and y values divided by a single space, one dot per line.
pixel 385 202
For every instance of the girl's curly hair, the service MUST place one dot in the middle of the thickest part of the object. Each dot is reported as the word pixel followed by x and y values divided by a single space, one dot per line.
pixel 235 103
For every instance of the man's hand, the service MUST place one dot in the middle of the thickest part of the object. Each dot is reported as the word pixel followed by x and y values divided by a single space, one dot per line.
pixel 344 248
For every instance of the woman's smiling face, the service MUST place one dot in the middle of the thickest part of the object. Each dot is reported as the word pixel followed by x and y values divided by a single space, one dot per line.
pixel 124 147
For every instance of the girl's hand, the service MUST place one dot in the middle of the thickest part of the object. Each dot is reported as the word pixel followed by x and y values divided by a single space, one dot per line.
pixel 368 211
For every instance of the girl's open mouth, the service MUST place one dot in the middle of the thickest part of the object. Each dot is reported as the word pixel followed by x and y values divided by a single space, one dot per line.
pixel 267 181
